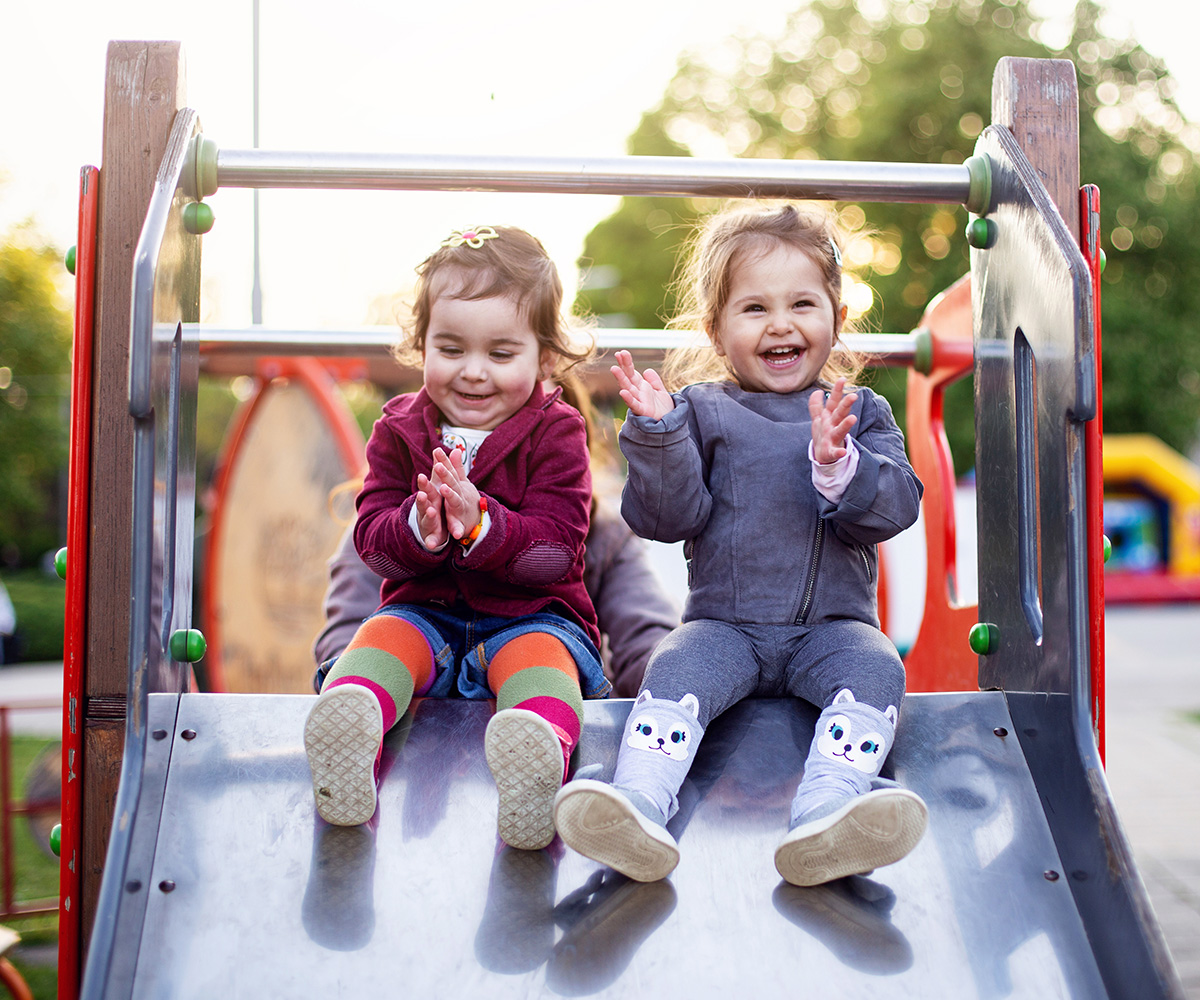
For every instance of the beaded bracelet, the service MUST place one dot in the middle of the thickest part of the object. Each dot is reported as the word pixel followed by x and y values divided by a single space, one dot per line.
pixel 466 540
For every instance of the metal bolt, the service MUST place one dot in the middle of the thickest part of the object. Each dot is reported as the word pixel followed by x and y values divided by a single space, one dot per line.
pixel 1050 876
pixel 1000 731
pixel 133 885
pixel 159 734
pixel 188 734
pixel 167 885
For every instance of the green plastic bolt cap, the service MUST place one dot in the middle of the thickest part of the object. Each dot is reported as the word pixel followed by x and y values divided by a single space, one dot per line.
pixel 60 563
pixel 1107 548
pixel 198 218
pixel 981 233
pixel 71 260
pixel 984 638
pixel 56 840
pixel 979 196
pixel 188 645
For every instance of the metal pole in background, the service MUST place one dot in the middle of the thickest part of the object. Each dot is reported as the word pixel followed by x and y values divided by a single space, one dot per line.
pixel 256 289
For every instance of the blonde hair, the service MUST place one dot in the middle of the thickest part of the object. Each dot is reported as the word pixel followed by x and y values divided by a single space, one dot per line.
pixel 722 242
pixel 513 264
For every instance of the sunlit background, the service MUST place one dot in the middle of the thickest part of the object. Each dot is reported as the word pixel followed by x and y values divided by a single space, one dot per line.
pixel 527 78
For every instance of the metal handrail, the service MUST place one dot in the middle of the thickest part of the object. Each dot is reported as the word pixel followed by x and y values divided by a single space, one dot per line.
pixel 891 349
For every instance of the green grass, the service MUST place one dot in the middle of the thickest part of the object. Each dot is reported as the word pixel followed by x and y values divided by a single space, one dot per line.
pixel 36 874
pixel 40 603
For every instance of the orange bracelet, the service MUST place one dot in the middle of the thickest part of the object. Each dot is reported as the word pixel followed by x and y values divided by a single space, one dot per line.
pixel 466 541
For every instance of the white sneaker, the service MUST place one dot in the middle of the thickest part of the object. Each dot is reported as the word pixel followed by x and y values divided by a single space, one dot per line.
pixel 868 832
pixel 525 756
pixel 602 824
pixel 342 738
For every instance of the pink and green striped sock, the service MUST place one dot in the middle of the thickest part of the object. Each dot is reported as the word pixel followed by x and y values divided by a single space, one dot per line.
pixel 390 657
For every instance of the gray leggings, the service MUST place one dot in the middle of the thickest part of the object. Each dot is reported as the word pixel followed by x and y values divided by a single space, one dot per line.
pixel 721 664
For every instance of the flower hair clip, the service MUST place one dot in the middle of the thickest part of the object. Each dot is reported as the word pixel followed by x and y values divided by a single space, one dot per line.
pixel 471 237
pixel 837 253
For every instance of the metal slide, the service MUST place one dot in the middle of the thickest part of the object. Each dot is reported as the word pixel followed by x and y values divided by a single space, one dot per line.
pixel 220 881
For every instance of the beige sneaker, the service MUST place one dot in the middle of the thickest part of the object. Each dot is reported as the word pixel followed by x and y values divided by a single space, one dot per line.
pixel 867 832
pixel 525 756
pixel 601 823
pixel 342 738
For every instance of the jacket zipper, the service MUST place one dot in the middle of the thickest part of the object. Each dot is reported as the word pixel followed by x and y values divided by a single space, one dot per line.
pixel 812 573
pixel 862 554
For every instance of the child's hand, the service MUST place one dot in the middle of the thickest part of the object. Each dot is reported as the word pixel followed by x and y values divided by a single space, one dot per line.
pixel 831 422
pixel 645 395
pixel 460 498
pixel 431 521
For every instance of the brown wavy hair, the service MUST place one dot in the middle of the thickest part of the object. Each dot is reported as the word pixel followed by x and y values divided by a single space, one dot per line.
pixel 514 264
pixel 702 285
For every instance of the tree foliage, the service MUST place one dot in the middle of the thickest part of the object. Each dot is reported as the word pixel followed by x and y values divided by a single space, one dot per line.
pixel 895 80
pixel 35 344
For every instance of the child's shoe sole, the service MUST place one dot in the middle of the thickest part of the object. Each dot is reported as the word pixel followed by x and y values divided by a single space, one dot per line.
pixel 868 832
pixel 525 756
pixel 342 738
pixel 602 824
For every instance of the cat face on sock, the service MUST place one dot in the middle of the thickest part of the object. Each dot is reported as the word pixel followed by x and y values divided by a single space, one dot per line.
pixel 864 749
pixel 838 741
pixel 665 729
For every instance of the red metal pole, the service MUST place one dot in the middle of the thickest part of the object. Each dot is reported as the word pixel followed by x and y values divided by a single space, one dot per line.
pixel 75 629
pixel 1089 221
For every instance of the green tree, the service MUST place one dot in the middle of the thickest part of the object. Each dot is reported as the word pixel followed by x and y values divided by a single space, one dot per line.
pixel 35 344
pixel 910 80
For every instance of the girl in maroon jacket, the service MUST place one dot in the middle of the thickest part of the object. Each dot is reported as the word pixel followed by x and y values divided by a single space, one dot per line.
pixel 474 511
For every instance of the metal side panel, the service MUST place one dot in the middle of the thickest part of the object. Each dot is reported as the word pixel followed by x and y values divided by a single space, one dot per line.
pixel 253 896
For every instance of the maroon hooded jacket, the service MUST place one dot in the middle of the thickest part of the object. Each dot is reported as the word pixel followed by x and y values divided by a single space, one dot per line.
pixel 533 470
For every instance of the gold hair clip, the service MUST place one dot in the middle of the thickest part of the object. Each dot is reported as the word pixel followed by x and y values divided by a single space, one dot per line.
pixel 471 237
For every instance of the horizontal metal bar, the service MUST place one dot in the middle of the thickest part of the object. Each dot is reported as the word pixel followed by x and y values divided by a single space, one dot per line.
pixel 677 176
pixel 891 349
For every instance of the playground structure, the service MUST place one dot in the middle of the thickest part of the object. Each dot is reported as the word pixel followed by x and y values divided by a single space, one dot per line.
pixel 192 861
pixel 1152 518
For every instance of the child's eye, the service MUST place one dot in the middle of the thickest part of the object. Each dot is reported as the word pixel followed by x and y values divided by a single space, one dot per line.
pixel 501 355
pixel 450 352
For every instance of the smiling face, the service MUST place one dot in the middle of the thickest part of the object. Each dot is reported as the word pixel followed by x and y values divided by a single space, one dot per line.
pixel 482 360
pixel 779 323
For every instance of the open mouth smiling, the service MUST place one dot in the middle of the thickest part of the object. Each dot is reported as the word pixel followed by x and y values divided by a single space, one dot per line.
pixel 781 356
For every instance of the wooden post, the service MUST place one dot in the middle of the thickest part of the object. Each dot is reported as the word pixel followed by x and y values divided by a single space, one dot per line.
pixel 1037 100
pixel 144 88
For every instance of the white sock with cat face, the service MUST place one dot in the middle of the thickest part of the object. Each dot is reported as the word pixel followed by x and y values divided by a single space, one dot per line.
pixel 851 742
pixel 657 750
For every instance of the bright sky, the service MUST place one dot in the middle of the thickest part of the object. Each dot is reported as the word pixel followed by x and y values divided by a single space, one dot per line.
pixel 531 77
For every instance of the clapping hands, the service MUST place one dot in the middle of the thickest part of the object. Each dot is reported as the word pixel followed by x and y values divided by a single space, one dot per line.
pixel 447 501
pixel 831 422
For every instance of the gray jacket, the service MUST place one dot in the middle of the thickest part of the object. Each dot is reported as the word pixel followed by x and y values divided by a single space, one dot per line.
pixel 727 471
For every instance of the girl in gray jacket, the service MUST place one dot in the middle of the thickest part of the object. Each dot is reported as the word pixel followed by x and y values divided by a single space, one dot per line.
pixel 781 482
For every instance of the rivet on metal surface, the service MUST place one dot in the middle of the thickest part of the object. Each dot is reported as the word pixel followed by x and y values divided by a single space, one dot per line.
pixel 1000 731
pixel 167 885
pixel 133 885
pixel 159 734
pixel 188 734
pixel 1050 876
